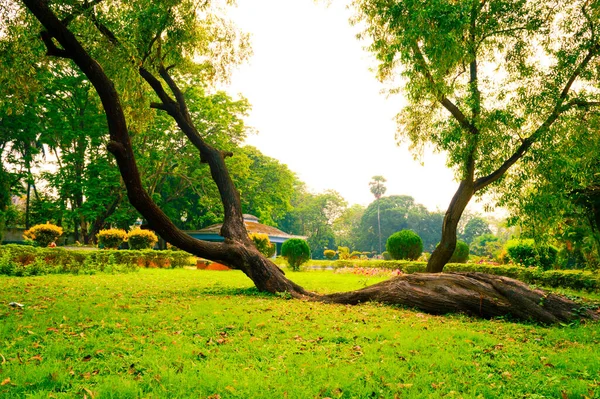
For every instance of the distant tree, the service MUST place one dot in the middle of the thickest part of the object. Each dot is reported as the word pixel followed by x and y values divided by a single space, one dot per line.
pixel 486 245
pixel 474 228
pixel 347 226
pixel 313 216
pixel 378 189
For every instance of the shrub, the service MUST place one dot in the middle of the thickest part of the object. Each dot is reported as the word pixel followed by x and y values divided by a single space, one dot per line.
pixel 461 253
pixel 548 255
pixel 522 252
pixel 343 253
pixel 329 253
pixel 386 255
pixel 263 244
pixel 21 260
pixel 43 234
pixel 526 253
pixel 296 251
pixel 141 239
pixel 405 244
pixel 111 238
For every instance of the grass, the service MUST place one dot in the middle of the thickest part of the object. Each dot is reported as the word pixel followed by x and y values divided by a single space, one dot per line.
pixel 202 334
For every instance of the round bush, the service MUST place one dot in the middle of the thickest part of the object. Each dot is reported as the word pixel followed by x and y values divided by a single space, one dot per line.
pixel 405 244
pixel 43 234
pixel 111 238
pixel 461 253
pixel 141 239
pixel 329 254
pixel 263 244
pixel 296 251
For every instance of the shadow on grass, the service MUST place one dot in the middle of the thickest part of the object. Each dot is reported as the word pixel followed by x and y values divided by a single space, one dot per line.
pixel 219 290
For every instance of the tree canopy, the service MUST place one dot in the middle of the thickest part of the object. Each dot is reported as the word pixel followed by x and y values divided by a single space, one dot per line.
pixel 487 82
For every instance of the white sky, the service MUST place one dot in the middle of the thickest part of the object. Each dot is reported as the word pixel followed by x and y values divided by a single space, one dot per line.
pixel 317 105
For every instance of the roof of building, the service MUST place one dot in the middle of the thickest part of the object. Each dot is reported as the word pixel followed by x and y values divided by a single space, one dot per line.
pixel 252 225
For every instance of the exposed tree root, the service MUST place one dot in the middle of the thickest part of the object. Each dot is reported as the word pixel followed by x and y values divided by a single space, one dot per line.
pixel 476 294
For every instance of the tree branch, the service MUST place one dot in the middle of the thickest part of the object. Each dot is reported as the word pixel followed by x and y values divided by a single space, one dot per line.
pixel 545 126
pixel 449 105
pixel 120 144
pixel 51 47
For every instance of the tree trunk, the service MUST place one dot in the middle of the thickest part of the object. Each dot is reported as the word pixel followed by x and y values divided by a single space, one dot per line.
pixel 476 294
pixel 443 252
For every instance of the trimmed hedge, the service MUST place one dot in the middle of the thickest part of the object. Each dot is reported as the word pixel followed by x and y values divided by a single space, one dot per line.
pixel 43 234
pixel 296 251
pixel 461 253
pixel 21 260
pixel 575 279
pixel 141 239
pixel 404 244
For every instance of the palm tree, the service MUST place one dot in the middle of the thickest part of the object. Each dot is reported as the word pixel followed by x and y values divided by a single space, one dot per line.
pixel 378 189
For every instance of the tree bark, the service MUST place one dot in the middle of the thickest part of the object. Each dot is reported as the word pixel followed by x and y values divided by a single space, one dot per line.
pixel 443 252
pixel 477 294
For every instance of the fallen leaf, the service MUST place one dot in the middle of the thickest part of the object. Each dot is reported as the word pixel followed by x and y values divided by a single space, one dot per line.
pixel 36 357
pixel 564 395
pixel 6 381
pixel 86 358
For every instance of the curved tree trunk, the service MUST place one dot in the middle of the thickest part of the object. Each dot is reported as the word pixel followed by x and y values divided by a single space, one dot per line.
pixel 443 252
pixel 237 251
pixel 477 294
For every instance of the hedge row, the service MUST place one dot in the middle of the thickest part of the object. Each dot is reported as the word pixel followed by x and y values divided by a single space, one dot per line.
pixel 20 260
pixel 575 279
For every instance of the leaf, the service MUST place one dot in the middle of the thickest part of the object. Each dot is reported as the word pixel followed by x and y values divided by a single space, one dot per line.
pixel 86 358
pixel 36 357
pixel 6 381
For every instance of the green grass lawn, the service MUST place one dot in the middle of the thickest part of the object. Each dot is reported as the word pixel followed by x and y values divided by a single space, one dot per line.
pixel 201 334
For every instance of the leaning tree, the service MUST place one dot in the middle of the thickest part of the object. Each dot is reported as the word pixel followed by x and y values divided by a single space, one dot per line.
pixel 487 81
pixel 163 42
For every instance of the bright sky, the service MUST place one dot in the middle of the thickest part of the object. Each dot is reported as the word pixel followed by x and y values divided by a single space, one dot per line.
pixel 317 105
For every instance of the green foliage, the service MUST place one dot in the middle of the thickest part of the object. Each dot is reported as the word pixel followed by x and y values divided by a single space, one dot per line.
pixel 329 253
pixel 405 244
pixel 461 253
pixel 296 251
pixel 141 239
pixel 487 245
pixel 111 238
pixel 343 253
pixel 398 212
pixel 474 228
pixel 522 252
pixel 21 260
pixel 386 255
pixel 43 234
pixel 527 253
pixel 547 256
pixel 263 244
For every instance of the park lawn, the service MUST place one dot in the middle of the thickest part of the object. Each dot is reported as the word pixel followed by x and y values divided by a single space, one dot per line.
pixel 202 334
